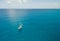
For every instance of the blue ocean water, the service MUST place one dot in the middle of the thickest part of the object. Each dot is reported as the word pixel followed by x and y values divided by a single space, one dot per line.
pixel 38 24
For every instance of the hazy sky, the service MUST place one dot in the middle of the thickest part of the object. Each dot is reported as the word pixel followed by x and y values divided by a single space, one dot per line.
pixel 29 3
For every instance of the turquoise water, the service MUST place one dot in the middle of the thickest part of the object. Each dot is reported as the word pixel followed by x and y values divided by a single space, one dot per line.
pixel 38 24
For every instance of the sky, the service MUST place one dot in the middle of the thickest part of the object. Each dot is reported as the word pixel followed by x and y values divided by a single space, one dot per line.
pixel 25 4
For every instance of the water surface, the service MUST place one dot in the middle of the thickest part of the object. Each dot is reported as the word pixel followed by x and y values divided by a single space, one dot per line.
pixel 38 24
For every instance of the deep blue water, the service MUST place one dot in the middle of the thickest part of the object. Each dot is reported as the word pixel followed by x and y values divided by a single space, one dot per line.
pixel 38 24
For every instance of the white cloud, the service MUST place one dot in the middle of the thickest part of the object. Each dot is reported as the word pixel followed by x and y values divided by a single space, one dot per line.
pixel 25 1
pixel 19 5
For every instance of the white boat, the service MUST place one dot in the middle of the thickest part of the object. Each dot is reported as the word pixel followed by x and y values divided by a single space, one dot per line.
pixel 20 27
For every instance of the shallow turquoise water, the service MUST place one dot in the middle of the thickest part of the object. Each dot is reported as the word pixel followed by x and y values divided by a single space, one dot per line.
pixel 38 24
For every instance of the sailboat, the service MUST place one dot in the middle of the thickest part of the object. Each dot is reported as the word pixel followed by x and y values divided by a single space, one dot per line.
pixel 20 27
